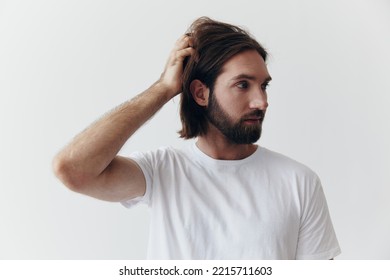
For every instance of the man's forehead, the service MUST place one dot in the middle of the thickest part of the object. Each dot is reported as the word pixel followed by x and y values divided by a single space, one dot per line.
pixel 245 73
pixel 248 64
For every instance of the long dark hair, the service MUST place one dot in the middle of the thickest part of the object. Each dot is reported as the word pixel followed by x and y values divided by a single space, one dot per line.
pixel 214 43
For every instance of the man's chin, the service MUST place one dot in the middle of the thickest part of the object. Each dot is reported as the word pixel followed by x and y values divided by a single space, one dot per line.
pixel 245 138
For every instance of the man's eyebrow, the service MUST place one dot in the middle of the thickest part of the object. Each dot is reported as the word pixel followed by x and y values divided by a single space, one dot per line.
pixel 248 77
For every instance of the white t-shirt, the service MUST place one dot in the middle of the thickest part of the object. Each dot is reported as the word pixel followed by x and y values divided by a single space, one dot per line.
pixel 265 206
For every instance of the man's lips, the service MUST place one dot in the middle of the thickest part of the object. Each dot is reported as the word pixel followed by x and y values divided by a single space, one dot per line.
pixel 253 120
pixel 258 116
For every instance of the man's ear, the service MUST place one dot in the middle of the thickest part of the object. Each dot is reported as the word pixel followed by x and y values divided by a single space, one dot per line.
pixel 200 92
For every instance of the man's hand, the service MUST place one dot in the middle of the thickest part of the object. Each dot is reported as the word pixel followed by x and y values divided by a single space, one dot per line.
pixel 171 78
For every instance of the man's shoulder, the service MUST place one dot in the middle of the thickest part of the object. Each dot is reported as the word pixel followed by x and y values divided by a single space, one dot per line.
pixel 278 161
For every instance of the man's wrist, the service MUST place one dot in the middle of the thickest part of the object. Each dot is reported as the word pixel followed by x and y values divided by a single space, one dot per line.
pixel 164 90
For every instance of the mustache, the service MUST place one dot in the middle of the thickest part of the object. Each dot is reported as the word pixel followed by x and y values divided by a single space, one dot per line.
pixel 256 114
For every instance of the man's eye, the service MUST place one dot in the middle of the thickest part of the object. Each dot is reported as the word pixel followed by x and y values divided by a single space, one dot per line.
pixel 265 86
pixel 243 85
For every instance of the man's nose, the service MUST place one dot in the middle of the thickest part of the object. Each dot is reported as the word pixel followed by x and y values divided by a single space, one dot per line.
pixel 259 100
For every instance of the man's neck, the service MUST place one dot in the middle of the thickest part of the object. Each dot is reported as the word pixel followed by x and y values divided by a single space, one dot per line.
pixel 217 146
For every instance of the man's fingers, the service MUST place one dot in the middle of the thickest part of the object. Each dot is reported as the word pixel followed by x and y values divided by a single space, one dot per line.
pixel 183 42
pixel 173 71
pixel 182 49
pixel 182 54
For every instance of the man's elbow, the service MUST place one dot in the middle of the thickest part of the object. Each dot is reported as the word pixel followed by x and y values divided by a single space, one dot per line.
pixel 69 175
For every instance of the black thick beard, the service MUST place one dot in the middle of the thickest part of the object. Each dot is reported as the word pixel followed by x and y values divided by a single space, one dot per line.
pixel 237 133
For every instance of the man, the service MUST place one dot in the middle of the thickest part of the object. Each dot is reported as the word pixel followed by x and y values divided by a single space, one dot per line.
pixel 223 197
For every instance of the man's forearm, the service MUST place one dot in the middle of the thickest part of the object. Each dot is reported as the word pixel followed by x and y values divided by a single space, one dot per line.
pixel 92 150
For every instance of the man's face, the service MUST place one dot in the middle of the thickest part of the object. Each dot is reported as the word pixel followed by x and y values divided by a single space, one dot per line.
pixel 238 103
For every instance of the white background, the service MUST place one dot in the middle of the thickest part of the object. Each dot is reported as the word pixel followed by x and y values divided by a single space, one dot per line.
pixel 65 63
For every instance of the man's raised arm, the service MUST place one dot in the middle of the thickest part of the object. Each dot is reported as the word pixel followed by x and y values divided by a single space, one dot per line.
pixel 90 164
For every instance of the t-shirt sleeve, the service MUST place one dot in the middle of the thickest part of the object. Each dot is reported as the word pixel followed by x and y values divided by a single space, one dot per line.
pixel 317 239
pixel 145 162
